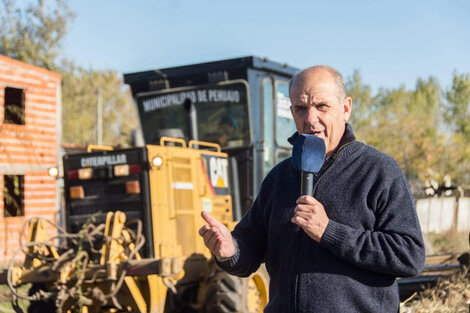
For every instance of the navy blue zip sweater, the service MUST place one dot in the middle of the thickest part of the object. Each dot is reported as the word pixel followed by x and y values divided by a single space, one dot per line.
pixel 373 235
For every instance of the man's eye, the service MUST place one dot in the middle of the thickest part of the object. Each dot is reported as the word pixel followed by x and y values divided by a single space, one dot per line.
pixel 322 106
pixel 300 109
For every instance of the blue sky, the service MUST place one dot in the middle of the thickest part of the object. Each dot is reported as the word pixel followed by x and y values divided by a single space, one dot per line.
pixel 390 42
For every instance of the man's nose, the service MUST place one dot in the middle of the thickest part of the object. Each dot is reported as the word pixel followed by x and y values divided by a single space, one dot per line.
pixel 311 117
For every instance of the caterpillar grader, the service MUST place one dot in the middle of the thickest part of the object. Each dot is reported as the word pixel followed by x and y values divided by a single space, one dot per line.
pixel 130 241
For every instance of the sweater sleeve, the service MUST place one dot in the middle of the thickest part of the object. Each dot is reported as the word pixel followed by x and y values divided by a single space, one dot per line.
pixel 250 240
pixel 395 245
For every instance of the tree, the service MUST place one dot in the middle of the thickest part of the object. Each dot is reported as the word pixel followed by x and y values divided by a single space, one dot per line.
pixel 33 34
pixel 457 109
pixel 361 94
pixel 457 114
pixel 402 123
pixel 80 97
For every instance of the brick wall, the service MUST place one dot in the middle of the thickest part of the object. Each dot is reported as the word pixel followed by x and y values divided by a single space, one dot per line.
pixel 29 149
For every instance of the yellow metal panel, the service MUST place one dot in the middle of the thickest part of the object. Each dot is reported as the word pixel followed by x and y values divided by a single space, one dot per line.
pixel 179 189
pixel 163 208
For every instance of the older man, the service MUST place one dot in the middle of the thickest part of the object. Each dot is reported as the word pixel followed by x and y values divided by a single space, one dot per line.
pixel 342 249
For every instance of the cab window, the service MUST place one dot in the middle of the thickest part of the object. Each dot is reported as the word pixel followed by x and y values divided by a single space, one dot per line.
pixel 268 125
pixel 285 126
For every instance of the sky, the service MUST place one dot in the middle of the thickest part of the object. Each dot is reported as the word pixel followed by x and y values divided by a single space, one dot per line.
pixel 390 42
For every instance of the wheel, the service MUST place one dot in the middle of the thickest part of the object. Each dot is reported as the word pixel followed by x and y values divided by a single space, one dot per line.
pixel 257 291
pixel 224 293
pixel 41 306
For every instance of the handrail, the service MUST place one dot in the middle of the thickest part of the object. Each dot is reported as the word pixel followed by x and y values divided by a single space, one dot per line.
pixel 195 144
pixel 90 148
pixel 165 140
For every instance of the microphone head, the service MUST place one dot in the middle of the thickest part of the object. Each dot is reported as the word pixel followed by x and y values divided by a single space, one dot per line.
pixel 308 153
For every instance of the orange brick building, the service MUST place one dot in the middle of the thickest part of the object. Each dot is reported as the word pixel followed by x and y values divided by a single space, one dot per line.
pixel 30 133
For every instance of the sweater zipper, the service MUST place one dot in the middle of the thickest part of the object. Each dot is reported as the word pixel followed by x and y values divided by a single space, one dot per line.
pixel 303 235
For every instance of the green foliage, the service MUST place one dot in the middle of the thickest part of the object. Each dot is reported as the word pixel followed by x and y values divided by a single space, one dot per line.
pixel 80 92
pixel 361 94
pixel 457 116
pixel 425 132
pixel 457 112
pixel 33 34
pixel 401 123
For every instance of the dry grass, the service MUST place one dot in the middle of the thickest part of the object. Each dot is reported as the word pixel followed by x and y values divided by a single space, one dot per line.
pixel 448 242
pixel 450 295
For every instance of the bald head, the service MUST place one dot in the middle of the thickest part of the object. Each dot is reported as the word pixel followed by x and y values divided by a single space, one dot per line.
pixel 319 74
pixel 319 104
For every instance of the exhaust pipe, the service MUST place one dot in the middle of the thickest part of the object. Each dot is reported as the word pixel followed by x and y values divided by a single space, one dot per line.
pixel 191 118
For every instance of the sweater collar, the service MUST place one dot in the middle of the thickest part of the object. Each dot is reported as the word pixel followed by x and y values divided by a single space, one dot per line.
pixel 348 136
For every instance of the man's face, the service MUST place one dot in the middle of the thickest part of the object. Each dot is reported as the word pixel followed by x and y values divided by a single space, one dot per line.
pixel 317 108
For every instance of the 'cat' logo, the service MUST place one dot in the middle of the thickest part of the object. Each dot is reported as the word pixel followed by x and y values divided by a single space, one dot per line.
pixel 216 172
pixel 218 168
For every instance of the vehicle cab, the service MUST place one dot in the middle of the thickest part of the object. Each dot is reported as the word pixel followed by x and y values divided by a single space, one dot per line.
pixel 241 104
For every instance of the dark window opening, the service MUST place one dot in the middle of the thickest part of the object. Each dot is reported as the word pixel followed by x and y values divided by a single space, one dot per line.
pixel 13 195
pixel 14 106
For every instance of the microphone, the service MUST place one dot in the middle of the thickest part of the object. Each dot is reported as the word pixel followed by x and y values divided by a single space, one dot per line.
pixel 308 155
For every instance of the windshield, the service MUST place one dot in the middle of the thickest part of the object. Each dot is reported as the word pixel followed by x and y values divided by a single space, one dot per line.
pixel 222 113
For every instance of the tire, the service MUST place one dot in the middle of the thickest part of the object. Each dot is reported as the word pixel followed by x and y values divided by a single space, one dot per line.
pixel 225 293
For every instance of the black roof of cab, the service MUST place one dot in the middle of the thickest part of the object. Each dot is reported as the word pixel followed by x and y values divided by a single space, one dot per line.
pixel 203 73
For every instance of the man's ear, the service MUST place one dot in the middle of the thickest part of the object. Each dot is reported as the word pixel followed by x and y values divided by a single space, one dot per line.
pixel 347 106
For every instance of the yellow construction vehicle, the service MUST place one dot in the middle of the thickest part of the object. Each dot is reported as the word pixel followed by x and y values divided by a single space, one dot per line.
pixel 97 267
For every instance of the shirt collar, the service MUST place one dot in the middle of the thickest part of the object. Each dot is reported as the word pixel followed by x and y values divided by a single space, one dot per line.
pixel 348 136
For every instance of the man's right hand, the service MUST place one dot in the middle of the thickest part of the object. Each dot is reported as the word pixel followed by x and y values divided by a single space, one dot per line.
pixel 217 237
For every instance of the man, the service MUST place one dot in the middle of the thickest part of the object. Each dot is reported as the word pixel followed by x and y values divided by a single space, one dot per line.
pixel 342 249
pixel 228 127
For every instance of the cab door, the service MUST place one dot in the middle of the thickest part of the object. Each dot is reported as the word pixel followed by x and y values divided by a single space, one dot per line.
pixel 278 124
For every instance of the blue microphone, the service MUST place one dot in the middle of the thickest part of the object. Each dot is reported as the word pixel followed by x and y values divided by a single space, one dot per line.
pixel 308 156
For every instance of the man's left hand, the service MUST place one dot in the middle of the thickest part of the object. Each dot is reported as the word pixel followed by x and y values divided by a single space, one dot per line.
pixel 310 215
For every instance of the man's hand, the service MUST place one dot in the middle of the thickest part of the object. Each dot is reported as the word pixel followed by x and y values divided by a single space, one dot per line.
pixel 311 216
pixel 217 237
